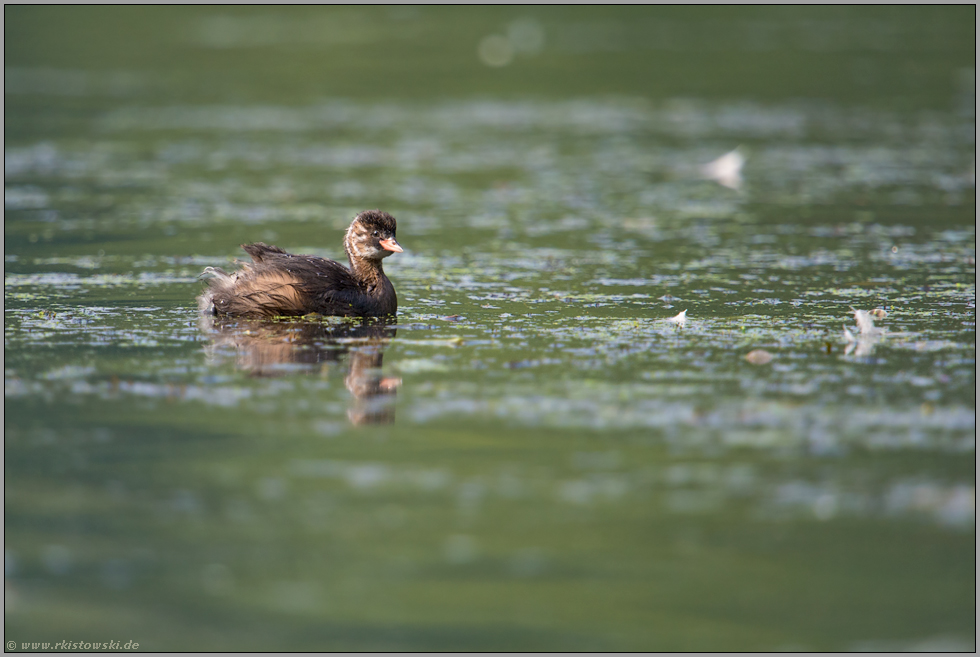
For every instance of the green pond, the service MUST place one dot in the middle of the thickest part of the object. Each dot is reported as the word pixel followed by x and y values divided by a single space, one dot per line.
pixel 533 457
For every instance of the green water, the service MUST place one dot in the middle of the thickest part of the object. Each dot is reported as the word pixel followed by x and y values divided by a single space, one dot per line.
pixel 532 457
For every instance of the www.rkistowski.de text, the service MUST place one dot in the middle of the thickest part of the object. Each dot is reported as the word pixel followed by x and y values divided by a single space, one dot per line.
pixel 73 645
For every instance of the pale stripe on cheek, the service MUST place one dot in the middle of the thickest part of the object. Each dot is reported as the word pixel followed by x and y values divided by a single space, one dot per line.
pixel 354 240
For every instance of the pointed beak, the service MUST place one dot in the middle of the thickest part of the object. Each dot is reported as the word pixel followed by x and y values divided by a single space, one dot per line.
pixel 391 245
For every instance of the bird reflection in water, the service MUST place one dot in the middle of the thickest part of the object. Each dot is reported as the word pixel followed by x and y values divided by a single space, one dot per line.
pixel 268 348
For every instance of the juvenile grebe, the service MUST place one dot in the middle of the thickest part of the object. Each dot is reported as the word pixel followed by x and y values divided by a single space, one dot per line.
pixel 278 283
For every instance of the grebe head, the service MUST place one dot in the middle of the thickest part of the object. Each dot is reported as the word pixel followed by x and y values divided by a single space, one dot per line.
pixel 371 236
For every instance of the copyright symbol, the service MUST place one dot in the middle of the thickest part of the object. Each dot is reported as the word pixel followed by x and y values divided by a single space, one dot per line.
pixel 11 645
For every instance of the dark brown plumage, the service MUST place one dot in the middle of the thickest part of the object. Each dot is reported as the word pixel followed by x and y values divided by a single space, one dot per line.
pixel 277 283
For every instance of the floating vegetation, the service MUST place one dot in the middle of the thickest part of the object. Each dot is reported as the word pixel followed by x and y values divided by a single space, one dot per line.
pixel 759 357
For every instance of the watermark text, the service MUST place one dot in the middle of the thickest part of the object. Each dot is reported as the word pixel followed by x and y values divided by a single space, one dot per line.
pixel 71 645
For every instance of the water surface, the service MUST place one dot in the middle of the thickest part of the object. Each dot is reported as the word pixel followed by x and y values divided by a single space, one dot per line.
pixel 532 457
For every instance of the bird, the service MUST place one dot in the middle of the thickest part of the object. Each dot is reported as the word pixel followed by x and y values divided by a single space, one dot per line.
pixel 277 283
